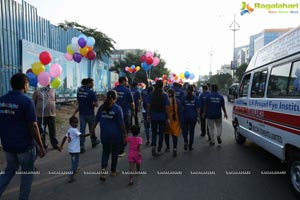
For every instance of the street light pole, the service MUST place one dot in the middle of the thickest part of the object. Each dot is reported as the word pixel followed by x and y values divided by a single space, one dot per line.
pixel 234 26
pixel 211 53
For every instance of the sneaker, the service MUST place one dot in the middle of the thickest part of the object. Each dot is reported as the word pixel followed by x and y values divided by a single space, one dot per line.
pixel 202 135
pixel 185 146
pixel 103 175
pixel 122 154
pixel 174 153
pixel 219 140
pixel 167 149
pixel 114 174
pixel 191 148
pixel 95 143
pixel 148 143
pixel 212 143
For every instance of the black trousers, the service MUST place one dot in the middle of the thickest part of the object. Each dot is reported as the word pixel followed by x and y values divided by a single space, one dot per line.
pixel 50 123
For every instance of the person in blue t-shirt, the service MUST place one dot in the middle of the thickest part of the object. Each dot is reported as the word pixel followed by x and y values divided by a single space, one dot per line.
pixel 137 98
pixel 157 105
pixel 191 114
pixel 125 100
pixel 19 135
pixel 213 112
pixel 179 92
pixel 144 111
pixel 202 100
pixel 87 101
pixel 113 132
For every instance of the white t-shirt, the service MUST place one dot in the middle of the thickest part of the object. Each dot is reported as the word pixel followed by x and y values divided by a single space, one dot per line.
pixel 74 140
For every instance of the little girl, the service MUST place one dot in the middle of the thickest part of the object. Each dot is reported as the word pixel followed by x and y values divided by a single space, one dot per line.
pixel 134 154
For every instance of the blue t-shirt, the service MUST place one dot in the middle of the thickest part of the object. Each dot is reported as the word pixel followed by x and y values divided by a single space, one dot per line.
pixel 161 115
pixel 179 93
pixel 16 112
pixel 214 102
pixel 202 100
pixel 124 99
pixel 136 96
pixel 110 124
pixel 190 108
pixel 86 98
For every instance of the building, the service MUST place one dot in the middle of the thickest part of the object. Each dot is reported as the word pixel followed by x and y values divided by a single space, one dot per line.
pixel 263 38
pixel 225 69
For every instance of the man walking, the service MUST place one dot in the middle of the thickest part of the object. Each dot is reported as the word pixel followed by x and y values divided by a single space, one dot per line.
pixel 213 112
pixel 19 135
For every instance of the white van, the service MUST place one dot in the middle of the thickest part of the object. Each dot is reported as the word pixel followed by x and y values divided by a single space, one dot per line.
pixel 267 110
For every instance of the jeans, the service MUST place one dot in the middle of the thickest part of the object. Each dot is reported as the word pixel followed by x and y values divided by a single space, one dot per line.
pixel 204 126
pixel 14 161
pixel 89 119
pixel 50 122
pixel 127 118
pixel 108 149
pixel 190 129
pixel 160 125
pixel 174 139
pixel 74 161
pixel 146 126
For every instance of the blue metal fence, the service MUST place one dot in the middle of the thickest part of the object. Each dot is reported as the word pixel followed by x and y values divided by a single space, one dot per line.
pixel 20 21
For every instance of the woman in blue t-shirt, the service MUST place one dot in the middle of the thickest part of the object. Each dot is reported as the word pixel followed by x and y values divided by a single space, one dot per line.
pixel 113 132
pixel 157 105
pixel 191 113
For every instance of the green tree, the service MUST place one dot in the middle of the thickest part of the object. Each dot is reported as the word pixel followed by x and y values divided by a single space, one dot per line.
pixel 140 76
pixel 103 44
pixel 222 80
pixel 240 71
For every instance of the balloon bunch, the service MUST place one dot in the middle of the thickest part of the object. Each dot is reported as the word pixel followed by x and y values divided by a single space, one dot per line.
pixel 81 46
pixel 44 75
pixel 187 75
pixel 148 61
pixel 132 70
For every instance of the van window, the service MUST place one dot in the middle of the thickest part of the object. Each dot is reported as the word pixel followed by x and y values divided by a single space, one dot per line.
pixel 259 84
pixel 278 81
pixel 244 86
pixel 294 81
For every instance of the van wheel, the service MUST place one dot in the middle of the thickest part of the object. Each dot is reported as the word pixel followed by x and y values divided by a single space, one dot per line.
pixel 238 137
pixel 294 173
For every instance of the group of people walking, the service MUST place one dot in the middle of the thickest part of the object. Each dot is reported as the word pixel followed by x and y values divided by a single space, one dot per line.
pixel 167 112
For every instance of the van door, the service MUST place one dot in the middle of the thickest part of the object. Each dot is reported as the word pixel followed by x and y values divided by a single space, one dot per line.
pixel 240 107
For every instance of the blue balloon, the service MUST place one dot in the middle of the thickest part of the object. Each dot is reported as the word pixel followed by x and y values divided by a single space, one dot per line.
pixel 145 66
pixel 186 74
pixel 32 79
pixel 192 76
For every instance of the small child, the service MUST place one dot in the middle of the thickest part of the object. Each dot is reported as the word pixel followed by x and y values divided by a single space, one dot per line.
pixel 73 136
pixel 134 154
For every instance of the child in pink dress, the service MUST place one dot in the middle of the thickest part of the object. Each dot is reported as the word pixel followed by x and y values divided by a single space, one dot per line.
pixel 134 154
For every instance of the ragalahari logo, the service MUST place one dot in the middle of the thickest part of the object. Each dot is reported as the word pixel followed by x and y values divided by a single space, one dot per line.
pixel 246 8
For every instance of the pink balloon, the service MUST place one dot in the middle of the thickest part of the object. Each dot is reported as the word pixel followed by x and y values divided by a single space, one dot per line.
pixel 68 57
pixel 155 61
pixel 55 70
pixel 149 54
pixel 126 68
pixel 44 78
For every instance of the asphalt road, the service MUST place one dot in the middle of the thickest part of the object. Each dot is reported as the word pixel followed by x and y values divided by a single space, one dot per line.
pixel 228 171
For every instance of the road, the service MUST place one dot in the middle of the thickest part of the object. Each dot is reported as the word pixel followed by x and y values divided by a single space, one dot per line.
pixel 222 172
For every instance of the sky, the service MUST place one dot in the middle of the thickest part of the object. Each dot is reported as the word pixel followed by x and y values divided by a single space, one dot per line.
pixel 183 32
